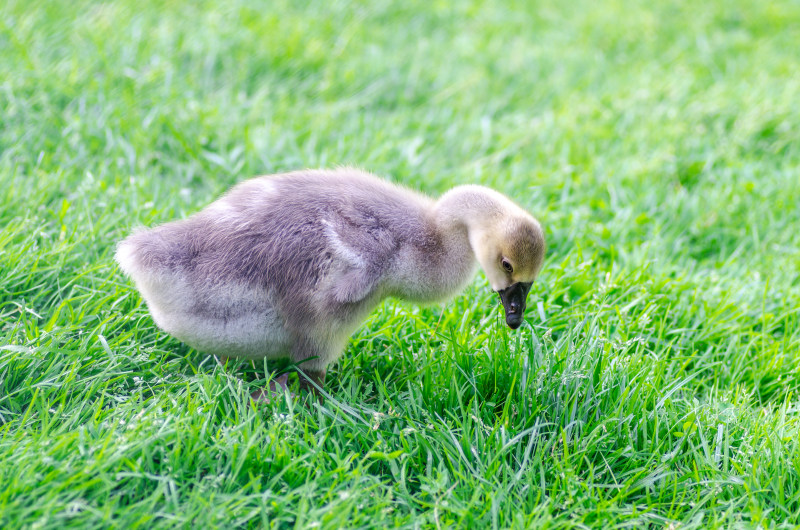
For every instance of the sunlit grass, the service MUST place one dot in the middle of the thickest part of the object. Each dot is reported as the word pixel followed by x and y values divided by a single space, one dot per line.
pixel 655 383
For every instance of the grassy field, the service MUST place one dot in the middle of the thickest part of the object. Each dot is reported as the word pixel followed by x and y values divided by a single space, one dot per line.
pixel 657 383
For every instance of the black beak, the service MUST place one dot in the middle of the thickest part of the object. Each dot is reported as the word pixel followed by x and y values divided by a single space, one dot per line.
pixel 513 298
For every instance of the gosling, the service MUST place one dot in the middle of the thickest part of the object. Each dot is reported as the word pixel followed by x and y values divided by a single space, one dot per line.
pixel 289 265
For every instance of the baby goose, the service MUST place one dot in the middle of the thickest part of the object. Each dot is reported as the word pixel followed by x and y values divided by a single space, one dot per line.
pixel 291 264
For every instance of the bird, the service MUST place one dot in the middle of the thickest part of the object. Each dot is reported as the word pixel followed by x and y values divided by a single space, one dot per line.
pixel 289 265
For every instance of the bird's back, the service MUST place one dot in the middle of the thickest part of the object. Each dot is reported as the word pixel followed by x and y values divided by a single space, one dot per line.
pixel 294 239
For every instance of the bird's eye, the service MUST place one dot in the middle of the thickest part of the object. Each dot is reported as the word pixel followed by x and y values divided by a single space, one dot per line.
pixel 507 266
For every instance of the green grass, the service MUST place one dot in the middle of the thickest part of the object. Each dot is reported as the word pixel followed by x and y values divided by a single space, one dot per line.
pixel 658 383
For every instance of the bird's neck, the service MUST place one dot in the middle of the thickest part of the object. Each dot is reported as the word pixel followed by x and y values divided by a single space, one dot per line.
pixel 460 218
pixel 467 211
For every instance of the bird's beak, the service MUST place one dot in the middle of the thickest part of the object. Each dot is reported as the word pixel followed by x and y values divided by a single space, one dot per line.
pixel 513 298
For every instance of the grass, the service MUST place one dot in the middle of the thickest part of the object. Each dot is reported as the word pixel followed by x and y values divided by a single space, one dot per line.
pixel 656 384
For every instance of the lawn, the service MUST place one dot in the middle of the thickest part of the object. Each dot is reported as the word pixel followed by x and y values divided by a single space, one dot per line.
pixel 655 384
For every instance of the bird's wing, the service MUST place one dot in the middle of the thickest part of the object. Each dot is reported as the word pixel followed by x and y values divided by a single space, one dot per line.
pixel 364 248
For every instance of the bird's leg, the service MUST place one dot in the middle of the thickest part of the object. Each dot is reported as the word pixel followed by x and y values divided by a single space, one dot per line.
pixel 222 360
pixel 307 355
pixel 277 386
pixel 309 378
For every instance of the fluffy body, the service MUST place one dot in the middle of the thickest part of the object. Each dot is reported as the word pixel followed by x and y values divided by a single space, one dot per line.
pixel 291 264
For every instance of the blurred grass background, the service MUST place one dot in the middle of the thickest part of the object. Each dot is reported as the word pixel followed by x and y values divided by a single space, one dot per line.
pixel 656 384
